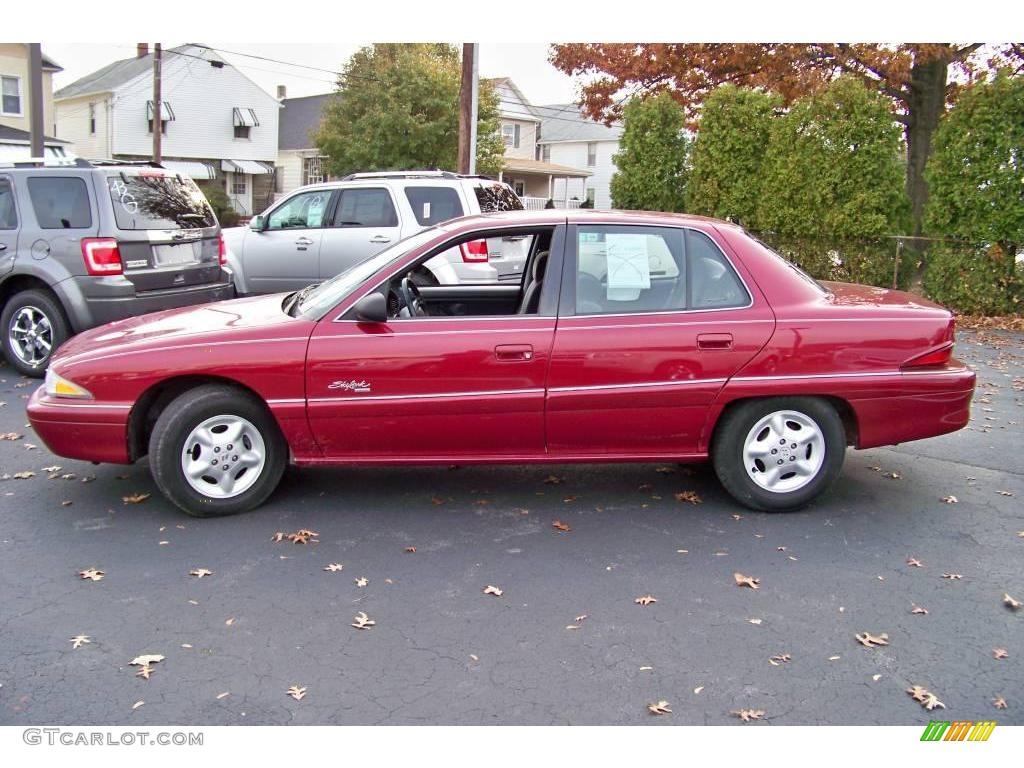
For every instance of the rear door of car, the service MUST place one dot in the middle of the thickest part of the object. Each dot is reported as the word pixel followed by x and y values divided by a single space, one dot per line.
pixel 8 224
pixel 364 221
pixel 63 206
pixel 166 231
pixel 652 322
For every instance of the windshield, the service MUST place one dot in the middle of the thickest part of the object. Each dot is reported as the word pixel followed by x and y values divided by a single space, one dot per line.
pixel 330 292
pixel 158 201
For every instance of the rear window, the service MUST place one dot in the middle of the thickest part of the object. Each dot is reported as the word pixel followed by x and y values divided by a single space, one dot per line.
pixel 432 205
pixel 497 197
pixel 60 202
pixel 158 201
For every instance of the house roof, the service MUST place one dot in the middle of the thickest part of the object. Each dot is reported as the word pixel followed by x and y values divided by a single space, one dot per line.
pixel 51 65
pixel 118 73
pixel 522 165
pixel 508 108
pixel 299 119
pixel 566 122
pixel 9 135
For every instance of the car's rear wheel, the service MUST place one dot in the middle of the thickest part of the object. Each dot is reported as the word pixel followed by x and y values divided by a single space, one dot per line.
pixel 33 327
pixel 216 450
pixel 780 453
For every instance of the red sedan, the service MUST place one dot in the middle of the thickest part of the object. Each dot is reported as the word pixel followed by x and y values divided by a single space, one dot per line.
pixel 630 337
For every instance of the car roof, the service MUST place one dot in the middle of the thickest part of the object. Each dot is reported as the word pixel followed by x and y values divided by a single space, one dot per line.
pixel 587 216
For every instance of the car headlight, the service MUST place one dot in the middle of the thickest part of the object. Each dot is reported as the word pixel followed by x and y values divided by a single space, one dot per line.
pixel 58 386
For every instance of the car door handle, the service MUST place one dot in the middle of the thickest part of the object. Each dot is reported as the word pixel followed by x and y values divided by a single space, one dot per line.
pixel 511 353
pixel 712 341
pixel 380 239
pixel 3 247
pixel 304 241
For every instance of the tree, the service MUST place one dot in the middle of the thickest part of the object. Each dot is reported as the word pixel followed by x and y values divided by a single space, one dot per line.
pixel 397 108
pixel 651 165
pixel 914 77
pixel 732 139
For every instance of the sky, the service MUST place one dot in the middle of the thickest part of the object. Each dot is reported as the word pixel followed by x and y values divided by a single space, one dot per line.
pixel 525 63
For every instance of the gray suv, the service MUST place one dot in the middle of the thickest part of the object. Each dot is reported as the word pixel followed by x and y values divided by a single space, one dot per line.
pixel 85 244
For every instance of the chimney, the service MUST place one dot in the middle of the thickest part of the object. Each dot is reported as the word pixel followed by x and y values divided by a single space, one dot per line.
pixel 141 50
pixel 282 92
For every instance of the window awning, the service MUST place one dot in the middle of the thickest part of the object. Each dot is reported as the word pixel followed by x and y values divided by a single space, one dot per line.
pixel 243 116
pixel 166 113
pixel 191 168
pixel 244 166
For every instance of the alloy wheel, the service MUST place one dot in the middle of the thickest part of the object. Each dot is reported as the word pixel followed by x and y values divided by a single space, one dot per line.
pixel 784 451
pixel 31 335
pixel 223 456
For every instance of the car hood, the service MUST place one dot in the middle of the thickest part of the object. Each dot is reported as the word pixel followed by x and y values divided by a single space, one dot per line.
pixel 258 317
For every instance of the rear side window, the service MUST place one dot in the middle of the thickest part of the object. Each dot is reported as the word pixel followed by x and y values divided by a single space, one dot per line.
pixel 432 205
pixel 8 213
pixel 713 283
pixel 365 208
pixel 497 197
pixel 158 201
pixel 60 202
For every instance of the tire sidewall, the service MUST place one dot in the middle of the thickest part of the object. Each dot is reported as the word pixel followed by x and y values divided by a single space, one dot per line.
pixel 178 420
pixel 727 452
pixel 50 307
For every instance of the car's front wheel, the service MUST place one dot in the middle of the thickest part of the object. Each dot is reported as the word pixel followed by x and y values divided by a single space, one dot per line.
pixel 780 453
pixel 216 450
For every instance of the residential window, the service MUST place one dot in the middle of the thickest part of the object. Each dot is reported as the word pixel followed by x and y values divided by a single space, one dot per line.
pixel 60 202
pixel 432 205
pixel 92 119
pixel 163 126
pixel 591 154
pixel 313 170
pixel 370 207
pixel 545 153
pixel 242 131
pixel 279 178
pixel 510 134
pixel 238 185
pixel 519 187
pixel 591 194
pixel 10 87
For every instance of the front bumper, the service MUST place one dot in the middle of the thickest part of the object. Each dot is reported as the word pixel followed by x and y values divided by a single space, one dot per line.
pixel 81 429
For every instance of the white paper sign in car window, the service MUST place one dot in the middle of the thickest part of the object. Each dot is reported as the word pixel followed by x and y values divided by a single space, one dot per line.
pixel 629 267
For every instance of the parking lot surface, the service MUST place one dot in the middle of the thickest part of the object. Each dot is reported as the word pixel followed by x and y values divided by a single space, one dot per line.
pixel 565 642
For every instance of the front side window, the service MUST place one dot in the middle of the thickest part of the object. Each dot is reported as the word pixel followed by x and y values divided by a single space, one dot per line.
pixel 8 213
pixel 10 89
pixel 60 202
pixel 303 211
pixel 158 201
pixel 432 205
pixel 365 208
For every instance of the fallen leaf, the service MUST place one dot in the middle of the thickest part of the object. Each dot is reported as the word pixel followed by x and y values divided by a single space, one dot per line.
pixel 230 621
pixel 66 503
pixel 137 704
pixel 926 698
pixel 10 436
pixel 952 576
pixel 746 581
pixel 23 475
pixel 698 689
pixel 569 499
pixel 296 692
pixel 436 500
pixel 999 702
pixel 913 562
pixel 581 618
pixel 688 496
pixel 333 567
pixel 646 668
pixel 223 695
pixel 876 678
pixel 186 645
pixel 279 536
pixel 659 708
pixel 1012 604
pixel 362 621
pixel 746 715
pixel 572 626
pixel 78 640
pixel 1005 493
pixel 949 499
pixel 919 610
pixel 665 470
pixel 200 572
pixel 146 659
pixel 737 517
pixel 474 657
pixel 552 480
pixel 834 658
pixel 144 672
pixel 645 600
pixel 362 581
pixel 870 641
pixel 782 658
pixel 135 498
pixel 92 573
pixel 682 551
pixel 410 550
pixel 492 590
pixel 559 525
pixel 755 621
pixel 51 469
pixel 1000 653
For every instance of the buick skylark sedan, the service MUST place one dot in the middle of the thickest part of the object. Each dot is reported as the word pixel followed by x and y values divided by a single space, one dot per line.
pixel 632 337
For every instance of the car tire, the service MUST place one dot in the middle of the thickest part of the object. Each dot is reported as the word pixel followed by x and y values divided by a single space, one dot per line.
pixel 37 312
pixel 205 429
pixel 778 454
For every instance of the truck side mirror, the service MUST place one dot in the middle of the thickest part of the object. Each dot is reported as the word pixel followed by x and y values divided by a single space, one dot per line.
pixel 256 223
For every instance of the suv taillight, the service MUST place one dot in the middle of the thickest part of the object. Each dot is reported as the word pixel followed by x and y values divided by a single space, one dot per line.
pixel 474 251
pixel 222 251
pixel 934 359
pixel 101 256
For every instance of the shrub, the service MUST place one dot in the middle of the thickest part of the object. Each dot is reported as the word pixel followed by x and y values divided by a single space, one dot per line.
pixel 979 280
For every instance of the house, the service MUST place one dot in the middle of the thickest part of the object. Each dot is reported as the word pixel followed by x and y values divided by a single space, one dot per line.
pixel 218 126
pixel 15 121
pixel 534 178
pixel 569 138
pixel 299 162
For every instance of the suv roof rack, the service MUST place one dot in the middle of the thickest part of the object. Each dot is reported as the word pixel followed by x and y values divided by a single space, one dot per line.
pixel 428 174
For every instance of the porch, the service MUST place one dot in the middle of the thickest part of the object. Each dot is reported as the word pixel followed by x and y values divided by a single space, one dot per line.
pixel 536 182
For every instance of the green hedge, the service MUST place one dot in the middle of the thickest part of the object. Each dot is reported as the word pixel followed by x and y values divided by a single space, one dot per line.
pixel 981 280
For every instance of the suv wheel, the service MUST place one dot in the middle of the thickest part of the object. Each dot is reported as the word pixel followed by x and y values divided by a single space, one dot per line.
pixel 216 451
pixel 33 328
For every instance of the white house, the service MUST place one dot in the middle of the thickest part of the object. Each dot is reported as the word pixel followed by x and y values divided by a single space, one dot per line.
pixel 299 162
pixel 218 126
pixel 569 138
pixel 15 123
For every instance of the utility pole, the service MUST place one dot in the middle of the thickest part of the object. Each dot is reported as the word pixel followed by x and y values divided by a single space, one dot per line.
pixel 35 90
pixel 468 108
pixel 157 103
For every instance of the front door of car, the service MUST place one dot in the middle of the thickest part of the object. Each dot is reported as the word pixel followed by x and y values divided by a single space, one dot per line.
pixel 285 254
pixel 654 320
pixel 436 388
pixel 364 223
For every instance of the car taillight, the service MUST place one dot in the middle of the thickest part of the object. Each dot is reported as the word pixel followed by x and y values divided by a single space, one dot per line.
pixel 934 359
pixel 222 251
pixel 101 256
pixel 474 251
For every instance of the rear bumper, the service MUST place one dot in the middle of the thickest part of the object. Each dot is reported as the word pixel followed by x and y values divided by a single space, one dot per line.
pixel 81 429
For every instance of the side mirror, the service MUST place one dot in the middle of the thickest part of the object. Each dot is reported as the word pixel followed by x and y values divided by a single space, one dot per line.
pixel 256 223
pixel 372 308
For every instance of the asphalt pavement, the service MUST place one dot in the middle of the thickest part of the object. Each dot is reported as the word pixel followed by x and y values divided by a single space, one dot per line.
pixel 565 642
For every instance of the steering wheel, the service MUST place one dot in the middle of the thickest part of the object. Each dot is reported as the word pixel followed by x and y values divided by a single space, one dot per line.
pixel 411 296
